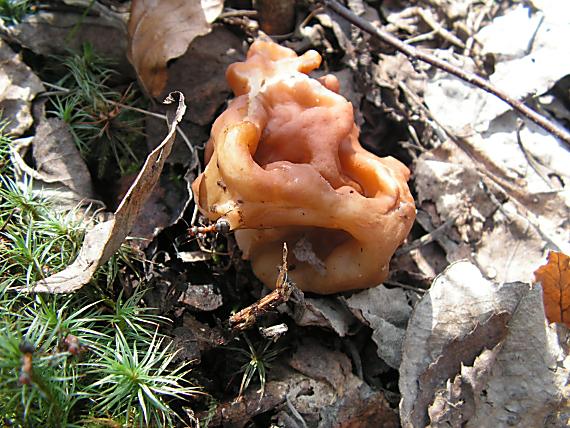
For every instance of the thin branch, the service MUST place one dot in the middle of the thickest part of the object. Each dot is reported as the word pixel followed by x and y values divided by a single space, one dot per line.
pixel 237 14
pixel 247 317
pixel 295 412
pixel 418 54
pixel 427 238
pixel 534 164
pixel 404 286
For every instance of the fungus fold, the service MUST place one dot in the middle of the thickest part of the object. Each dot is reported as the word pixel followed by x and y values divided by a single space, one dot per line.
pixel 284 165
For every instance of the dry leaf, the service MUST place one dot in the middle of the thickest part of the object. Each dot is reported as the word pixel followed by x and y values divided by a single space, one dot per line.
pixel 555 279
pixel 103 240
pixel 194 256
pixel 164 206
pixel 386 311
pixel 201 297
pixel 344 400
pixel 18 87
pixel 60 173
pixel 47 33
pixel 325 312
pixel 480 354
pixel 505 228
pixel 526 42
pixel 160 31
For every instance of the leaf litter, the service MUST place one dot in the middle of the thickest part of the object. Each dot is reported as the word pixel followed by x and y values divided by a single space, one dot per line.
pixel 491 188
pixel 467 358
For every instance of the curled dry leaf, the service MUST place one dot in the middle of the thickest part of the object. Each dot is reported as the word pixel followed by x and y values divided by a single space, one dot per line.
pixel 60 173
pixel 325 312
pixel 104 239
pixel 555 279
pixel 160 31
pixel 18 87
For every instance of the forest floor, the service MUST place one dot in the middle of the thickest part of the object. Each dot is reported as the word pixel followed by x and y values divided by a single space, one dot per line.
pixel 118 295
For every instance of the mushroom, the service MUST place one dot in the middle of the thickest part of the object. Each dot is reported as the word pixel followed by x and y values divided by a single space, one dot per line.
pixel 284 165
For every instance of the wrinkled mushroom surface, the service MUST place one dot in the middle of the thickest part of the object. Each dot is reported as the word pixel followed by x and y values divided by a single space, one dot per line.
pixel 285 165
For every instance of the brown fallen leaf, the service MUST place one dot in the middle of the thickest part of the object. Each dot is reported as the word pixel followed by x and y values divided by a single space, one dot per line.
pixel 164 206
pixel 555 279
pixel 160 31
pixel 350 403
pixel 326 312
pixel 104 239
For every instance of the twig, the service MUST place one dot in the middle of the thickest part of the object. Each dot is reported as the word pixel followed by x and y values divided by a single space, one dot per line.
pixel 351 347
pixel 247 317
pixel 418 54
pixel 529 157
pixel 426 239
pixel 274 332
pixel 295 411
pixel 310 16
pixel 421 38
pixel 435 26
pixel 237 14
pixel 405 286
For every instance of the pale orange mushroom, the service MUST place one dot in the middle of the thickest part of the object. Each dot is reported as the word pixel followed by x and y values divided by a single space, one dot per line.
pixel 285 165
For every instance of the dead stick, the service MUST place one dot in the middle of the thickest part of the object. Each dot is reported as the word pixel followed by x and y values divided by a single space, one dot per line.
pixel 418 54
pixel 426 239
pixel 247 317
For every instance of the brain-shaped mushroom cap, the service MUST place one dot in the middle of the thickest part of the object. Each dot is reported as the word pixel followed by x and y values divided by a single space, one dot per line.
pixel 285 165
